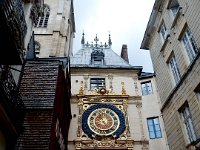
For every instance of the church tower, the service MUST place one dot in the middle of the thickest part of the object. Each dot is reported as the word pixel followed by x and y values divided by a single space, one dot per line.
pixel 106 100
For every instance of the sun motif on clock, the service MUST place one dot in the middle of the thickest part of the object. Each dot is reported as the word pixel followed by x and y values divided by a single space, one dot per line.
pixel 103 120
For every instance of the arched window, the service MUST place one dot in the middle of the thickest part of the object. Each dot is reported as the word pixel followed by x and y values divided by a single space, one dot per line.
pixel 37 49
pixel 43 18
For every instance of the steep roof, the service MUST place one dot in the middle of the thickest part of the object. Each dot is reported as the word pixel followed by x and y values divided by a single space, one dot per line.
pixel 83 58
pixel 38 84
pixel 99 56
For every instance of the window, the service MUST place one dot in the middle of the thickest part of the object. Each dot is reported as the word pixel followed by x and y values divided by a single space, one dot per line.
pixel 163 31
pixel 174 68
pixel 43 18
pixel 154 128
pixel 97 83
pixel 189 44
pixel 174 7
pixel 187 121
pixel 97 57
pixel 146 88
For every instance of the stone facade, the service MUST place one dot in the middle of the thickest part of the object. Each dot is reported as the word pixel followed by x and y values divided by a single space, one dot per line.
pixel 56 39
pixel 151 108
pixel 174 51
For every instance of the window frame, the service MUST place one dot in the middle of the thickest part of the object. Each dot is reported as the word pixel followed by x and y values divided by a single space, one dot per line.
pixel 173 65
pixel 189 44
pixel 43 18
pixel 97 82
pixel 163 31
pixel 154 128
pixel 186 118
pixel 145 90
pixel 97 57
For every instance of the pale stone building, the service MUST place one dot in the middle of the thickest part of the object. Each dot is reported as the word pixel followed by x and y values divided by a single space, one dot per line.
pixel 54 29
pixel 114 105
pixel 172 36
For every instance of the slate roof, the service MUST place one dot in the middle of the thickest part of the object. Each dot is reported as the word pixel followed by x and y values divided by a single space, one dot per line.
pixel 145 75
pixel 111 60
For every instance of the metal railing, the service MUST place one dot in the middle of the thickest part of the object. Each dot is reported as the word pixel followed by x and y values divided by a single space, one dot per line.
pixel 10 98
pixel 14 9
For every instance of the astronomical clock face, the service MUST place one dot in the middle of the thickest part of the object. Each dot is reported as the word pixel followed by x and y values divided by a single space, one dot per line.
pixel 103 120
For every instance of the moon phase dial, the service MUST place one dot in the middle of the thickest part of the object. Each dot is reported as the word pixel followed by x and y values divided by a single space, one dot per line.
pixel 103 120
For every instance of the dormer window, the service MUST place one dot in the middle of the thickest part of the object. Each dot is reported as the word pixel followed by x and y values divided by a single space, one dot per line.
pixel 97 57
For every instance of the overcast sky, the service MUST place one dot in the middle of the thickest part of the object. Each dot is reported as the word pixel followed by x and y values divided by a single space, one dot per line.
pixel 126 20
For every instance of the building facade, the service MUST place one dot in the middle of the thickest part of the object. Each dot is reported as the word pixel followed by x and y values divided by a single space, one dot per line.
pixel 172 36
pixel 34 75
pixel 54 29
pixel 108 108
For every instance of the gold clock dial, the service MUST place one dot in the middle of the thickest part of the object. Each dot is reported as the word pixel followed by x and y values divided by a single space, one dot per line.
pixel 103 121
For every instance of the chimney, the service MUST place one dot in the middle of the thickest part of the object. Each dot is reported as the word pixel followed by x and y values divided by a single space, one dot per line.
pixel 124 53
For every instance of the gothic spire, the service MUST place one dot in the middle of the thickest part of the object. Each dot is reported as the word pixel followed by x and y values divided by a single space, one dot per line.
pixel 109 40
pixel 83 39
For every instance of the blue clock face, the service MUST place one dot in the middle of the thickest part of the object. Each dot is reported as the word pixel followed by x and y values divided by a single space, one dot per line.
pixel 103 120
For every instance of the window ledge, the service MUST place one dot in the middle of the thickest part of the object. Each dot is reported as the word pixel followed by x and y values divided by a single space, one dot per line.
pixel 176 17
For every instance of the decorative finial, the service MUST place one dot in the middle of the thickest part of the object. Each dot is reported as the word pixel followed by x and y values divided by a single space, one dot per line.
pixel 87 44
pixel 83 38
pixel 92 44
pixel 81 89
pixel 101 44
pixel 96 40
pixel 109 40
pixel 123 89
pixel 105 45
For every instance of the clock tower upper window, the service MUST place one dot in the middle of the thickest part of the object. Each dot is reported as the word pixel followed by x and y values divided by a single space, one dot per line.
pixel 97 83
pixel 97 57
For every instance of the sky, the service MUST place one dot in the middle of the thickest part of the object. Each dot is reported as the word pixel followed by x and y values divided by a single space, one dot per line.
pixel 125 20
